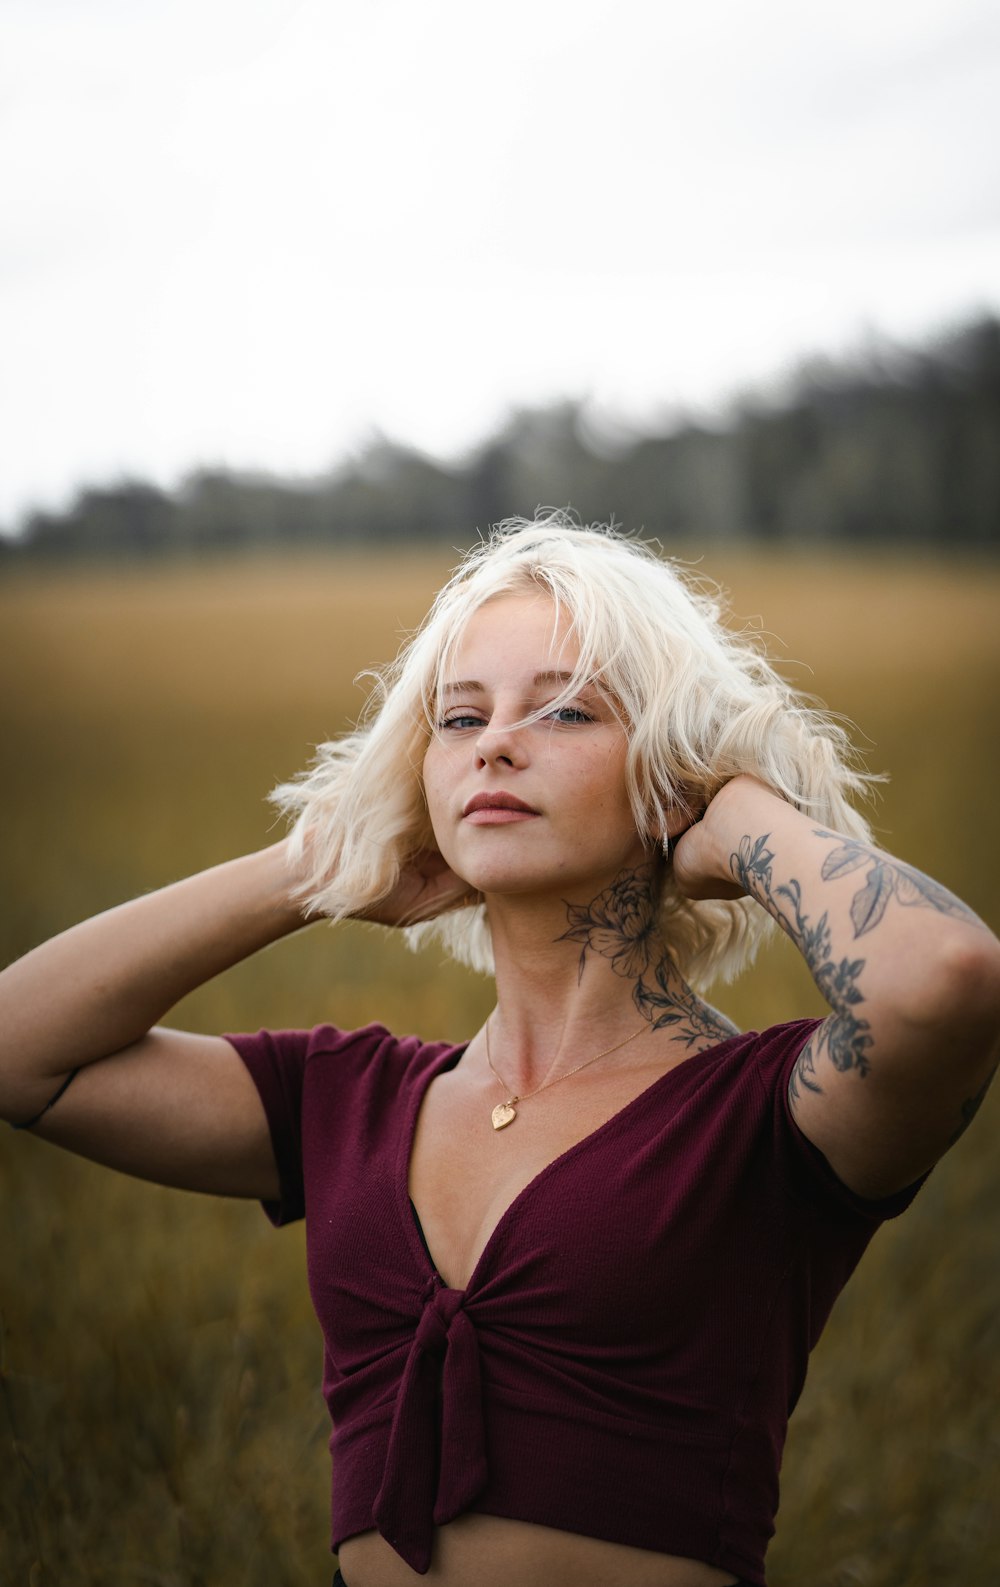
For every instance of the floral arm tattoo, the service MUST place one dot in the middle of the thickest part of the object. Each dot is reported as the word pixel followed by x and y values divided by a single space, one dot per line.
pixel 971 1106
pixel 886 879
pixel 845 1037
pixel 621 925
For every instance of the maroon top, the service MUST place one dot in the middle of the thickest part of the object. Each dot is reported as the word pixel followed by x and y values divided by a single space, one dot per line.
pixel 624 1359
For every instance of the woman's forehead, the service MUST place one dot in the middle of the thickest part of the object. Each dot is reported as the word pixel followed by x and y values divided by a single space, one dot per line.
pixel 527 631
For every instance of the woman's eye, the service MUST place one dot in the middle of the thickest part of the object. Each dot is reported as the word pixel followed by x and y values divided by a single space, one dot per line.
pixel 562 716
pixel 570 714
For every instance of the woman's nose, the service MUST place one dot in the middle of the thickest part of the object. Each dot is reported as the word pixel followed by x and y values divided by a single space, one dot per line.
pixel 500 744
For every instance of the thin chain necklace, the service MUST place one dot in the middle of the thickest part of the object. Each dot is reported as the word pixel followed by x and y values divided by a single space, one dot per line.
pixel 506 1112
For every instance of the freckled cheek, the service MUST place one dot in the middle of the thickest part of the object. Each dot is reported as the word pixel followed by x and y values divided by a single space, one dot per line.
pixel 603 784
pixel 434 791
pixel 441 797
pixel 608 806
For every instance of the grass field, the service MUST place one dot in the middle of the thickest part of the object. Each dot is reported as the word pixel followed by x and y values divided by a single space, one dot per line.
pixel 160 1416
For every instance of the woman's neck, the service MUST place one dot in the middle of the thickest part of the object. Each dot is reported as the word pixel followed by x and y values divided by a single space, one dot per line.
pixel 573 975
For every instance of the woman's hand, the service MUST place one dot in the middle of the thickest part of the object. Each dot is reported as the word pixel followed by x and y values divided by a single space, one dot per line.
pixel 427 887
pixel 703 854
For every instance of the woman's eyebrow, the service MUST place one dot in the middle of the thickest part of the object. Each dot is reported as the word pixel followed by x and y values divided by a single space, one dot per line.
pixel 473 686
pixel 464 686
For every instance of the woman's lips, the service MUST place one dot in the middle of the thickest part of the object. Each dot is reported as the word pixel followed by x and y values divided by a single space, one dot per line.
pixel 496 809
pixel 498 816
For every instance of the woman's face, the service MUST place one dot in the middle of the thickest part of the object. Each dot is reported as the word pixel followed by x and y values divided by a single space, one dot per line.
pixel 534 808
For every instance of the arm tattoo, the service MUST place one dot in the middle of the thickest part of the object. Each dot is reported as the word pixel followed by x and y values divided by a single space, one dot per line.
pixel 886 879
pixel 621 925
pixel 971 1106
pixel 846 1036
pixel 803 1076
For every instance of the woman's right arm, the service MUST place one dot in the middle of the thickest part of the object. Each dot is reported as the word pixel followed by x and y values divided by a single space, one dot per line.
pixel 164 1105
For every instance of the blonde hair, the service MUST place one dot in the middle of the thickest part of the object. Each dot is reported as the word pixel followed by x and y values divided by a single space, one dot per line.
pixel 699 705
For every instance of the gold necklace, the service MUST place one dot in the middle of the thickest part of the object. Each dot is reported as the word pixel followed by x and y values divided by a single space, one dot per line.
pixel 506 1112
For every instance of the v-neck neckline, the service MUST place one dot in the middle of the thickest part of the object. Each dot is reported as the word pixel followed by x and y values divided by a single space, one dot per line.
pixel 450 1060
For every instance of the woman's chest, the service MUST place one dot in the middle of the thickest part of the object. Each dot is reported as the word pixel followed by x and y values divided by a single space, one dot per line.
pixel 602 1211
pixel 469 1179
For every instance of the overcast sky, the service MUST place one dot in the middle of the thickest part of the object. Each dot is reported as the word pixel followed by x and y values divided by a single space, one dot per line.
pixel 255 232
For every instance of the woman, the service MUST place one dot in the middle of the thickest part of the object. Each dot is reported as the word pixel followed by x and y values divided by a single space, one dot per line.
pixel 568 1273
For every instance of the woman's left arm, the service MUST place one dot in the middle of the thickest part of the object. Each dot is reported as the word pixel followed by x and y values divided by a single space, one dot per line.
pixel 899 1067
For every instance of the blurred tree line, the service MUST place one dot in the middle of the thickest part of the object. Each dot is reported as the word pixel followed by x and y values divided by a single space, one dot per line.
pixel 892 447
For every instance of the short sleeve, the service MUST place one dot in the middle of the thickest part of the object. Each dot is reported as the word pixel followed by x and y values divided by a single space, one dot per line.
pixel 806 1162
pixel 277 1063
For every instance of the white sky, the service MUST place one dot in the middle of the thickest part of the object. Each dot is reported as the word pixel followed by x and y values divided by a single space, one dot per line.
pixel 251 232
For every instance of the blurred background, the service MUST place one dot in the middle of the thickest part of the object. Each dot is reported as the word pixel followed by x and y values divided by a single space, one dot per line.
pixel 298 299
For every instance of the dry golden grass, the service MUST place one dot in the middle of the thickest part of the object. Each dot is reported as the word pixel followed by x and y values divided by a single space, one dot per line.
pixel 160 1420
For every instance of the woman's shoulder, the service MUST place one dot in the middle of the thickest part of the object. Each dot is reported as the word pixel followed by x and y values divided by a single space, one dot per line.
pixel 328 1046
pixel 753 1056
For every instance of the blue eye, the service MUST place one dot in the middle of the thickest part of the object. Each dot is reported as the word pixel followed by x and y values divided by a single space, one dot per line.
pixel 462 719
pixel 568 715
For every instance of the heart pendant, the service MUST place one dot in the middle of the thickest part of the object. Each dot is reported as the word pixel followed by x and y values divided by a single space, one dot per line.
pixel 503 1114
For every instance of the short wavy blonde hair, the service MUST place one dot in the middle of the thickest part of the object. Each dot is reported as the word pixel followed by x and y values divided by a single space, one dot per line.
pixel 699 703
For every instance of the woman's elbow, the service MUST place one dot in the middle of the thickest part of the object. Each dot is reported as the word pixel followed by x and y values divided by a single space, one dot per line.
pixel 957 997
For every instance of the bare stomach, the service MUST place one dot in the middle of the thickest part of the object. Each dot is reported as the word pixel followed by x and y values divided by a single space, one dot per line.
pixel 485 1551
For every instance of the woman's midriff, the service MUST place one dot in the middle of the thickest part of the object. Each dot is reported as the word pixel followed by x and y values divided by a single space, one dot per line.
pixel 496 1553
